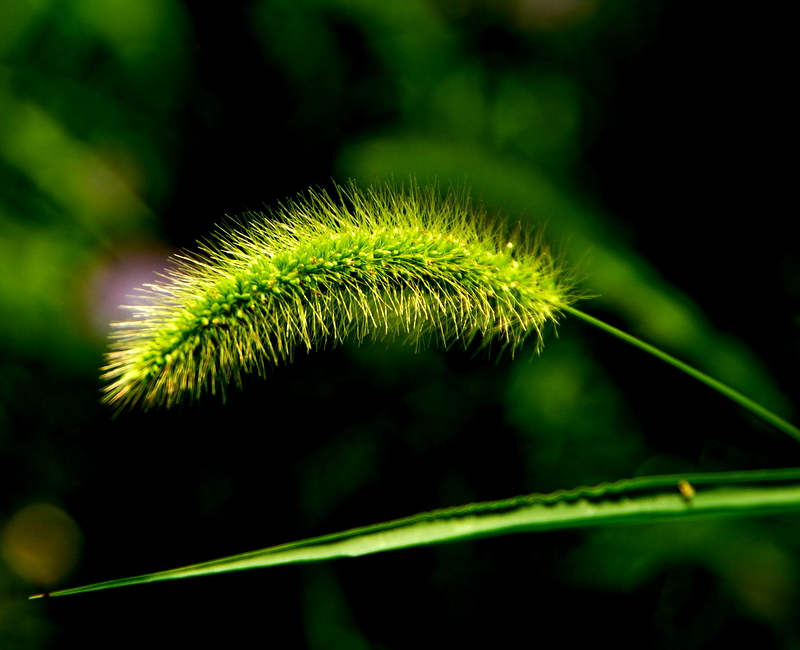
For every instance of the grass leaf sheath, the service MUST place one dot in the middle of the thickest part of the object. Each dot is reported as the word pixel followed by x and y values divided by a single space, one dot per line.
pixel 379 263
pixel 645 499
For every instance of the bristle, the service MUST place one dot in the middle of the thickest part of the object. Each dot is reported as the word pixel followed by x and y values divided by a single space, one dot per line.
pixel 377 264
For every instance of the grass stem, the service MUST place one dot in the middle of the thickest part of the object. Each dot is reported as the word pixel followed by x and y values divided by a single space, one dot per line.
pixel 754 407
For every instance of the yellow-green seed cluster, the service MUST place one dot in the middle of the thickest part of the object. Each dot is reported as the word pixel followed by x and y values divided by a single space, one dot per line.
pixel 377 264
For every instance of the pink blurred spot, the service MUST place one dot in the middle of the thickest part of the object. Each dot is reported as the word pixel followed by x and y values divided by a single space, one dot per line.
pixel 119 281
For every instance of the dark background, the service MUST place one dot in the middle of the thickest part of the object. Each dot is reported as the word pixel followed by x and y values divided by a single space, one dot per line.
pixel 653 141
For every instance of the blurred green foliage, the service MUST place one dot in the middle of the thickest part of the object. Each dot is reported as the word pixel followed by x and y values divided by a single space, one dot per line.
pixel 634 131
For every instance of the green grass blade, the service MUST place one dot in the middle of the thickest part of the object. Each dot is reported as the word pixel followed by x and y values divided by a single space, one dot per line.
pixel 754 407
pixel 643 499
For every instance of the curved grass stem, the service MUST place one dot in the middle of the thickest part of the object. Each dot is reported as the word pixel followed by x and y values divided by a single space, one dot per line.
pixel 754 407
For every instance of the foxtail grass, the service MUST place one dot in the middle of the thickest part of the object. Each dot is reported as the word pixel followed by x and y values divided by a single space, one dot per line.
pixel 383 263
pixel 379 264
pixel 387 262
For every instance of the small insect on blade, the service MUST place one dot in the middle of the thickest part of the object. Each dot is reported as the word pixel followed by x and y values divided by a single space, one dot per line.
pixel 686 489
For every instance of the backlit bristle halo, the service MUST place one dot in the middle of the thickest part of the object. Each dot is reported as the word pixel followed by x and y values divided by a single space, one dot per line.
pixel 385 262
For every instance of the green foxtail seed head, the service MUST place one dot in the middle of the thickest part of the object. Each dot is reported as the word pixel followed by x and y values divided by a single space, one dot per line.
pixel 380 263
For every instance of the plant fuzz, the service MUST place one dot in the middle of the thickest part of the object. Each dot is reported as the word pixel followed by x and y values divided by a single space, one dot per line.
pixel 380 263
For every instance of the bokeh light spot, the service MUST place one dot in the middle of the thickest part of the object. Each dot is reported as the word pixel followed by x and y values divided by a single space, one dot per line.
pixel 41 543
